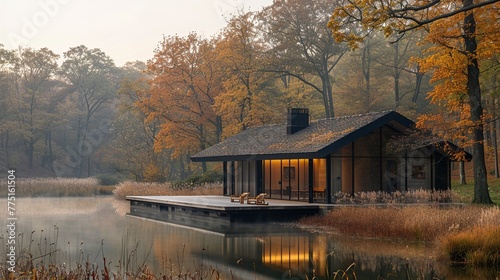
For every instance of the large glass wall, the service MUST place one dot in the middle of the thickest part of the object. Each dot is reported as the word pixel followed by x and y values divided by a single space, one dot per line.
pixel 371 163
pixel 243 179
pixel 286 179
pixel 319 180
pixel 365 166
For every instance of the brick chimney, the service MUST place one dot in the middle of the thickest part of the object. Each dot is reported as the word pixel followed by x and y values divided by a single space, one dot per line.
pixel 298 119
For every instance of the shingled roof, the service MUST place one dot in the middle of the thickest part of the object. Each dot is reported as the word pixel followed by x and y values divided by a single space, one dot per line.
pixel 317 140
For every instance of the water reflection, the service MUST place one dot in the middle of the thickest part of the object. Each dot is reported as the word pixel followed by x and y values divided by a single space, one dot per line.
pixel 93 228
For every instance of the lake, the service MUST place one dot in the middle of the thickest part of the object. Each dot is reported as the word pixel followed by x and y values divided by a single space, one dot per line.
pixel 72 231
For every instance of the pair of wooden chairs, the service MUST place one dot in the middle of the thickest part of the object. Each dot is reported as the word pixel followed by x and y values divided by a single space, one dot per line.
pixel 241 198
pixel 258 200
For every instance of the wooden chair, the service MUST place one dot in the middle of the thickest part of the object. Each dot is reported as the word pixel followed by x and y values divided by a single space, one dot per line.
pixel 240 198
pixel 258 200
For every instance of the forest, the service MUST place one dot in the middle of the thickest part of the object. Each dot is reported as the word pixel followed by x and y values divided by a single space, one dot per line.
pixel 79 115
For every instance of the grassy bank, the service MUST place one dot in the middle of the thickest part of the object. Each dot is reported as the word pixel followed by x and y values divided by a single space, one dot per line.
pixel 422 218
pixel 466 192
pixel 41 258
pixel 81 187
pixel 466 234
pixel 455 231
pixel 56 187
pixel 479 246
pixel 130 188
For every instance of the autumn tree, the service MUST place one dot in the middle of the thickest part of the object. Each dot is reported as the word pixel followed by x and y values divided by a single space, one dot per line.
pixel 362 83
pixel 301 45
pixel 6 109
pixel 491 81
pixel 91 73
pixel 408 79
pixel 463 33
pixel 132 148
pixel 183 86
pixel 249 96
pixel 33 101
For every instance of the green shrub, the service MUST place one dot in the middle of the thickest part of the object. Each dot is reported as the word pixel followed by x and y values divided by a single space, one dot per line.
pixel 207 177
pixel 108 179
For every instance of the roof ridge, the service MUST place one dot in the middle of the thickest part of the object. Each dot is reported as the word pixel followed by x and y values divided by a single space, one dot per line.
pixel 356 115
pixel 326 119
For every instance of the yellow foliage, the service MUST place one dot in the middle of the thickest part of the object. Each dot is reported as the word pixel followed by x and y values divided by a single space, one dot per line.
pixel 183 86
pixel 152 173
pixel 448 62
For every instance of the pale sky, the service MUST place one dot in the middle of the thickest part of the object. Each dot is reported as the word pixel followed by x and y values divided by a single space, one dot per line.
pixel 125 30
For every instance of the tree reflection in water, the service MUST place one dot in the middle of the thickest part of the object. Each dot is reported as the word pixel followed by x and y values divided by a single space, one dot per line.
pixel 257 251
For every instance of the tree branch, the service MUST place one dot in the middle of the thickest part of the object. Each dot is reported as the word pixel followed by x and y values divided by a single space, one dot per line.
pixel 433 19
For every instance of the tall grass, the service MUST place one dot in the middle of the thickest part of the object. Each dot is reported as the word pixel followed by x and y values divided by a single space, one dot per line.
pixel 40 257
pixel 478 246
pixel 50 187
pixel 468 235
pixel 415 223
pixel 129 188
pixel 397 197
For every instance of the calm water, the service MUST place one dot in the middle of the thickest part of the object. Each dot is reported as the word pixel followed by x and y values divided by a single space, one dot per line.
pixel 82 229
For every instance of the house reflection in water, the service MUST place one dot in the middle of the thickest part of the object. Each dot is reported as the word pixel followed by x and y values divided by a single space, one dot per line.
pixel 300 253
pixel 273 253
pixel 270 251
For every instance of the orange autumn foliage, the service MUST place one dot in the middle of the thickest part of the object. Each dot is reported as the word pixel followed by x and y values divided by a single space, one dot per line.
pixel 183 86
pixel 447 60
pixel 247 98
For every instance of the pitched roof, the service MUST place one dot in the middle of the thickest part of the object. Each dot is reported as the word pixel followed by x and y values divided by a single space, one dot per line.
pixel 317 140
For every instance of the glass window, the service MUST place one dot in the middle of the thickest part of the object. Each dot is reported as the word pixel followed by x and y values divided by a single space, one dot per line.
pixel 319 179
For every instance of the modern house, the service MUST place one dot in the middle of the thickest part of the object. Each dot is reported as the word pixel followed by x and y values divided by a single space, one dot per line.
pixel 311 161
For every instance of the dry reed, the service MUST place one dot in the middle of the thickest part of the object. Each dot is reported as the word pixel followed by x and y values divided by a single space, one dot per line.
pixel 47 187
pixel 414 222
pixel 413 196
pixel 129 188
pixel 478 246
pixel 42 259
pixel 467 235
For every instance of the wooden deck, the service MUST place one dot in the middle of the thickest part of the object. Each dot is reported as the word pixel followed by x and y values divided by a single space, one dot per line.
pixel 218 211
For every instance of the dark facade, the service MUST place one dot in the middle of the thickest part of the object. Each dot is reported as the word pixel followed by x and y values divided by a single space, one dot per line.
pixel 312 161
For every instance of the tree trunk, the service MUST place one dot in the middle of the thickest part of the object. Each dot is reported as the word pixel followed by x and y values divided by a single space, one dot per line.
pixel 218 124
pixel 395 74
pixel 418 84
pixel 494 132
pixel 327 97
pixel 366 65
pixel 51 153
pixel 481 193
pixel 7 155
pixel 495 150
pixel 327 90
pixel 31 151
pixel 463 180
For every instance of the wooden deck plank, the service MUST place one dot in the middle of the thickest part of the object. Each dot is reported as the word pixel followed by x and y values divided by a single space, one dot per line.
pixel 219 208
pixel 219 202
